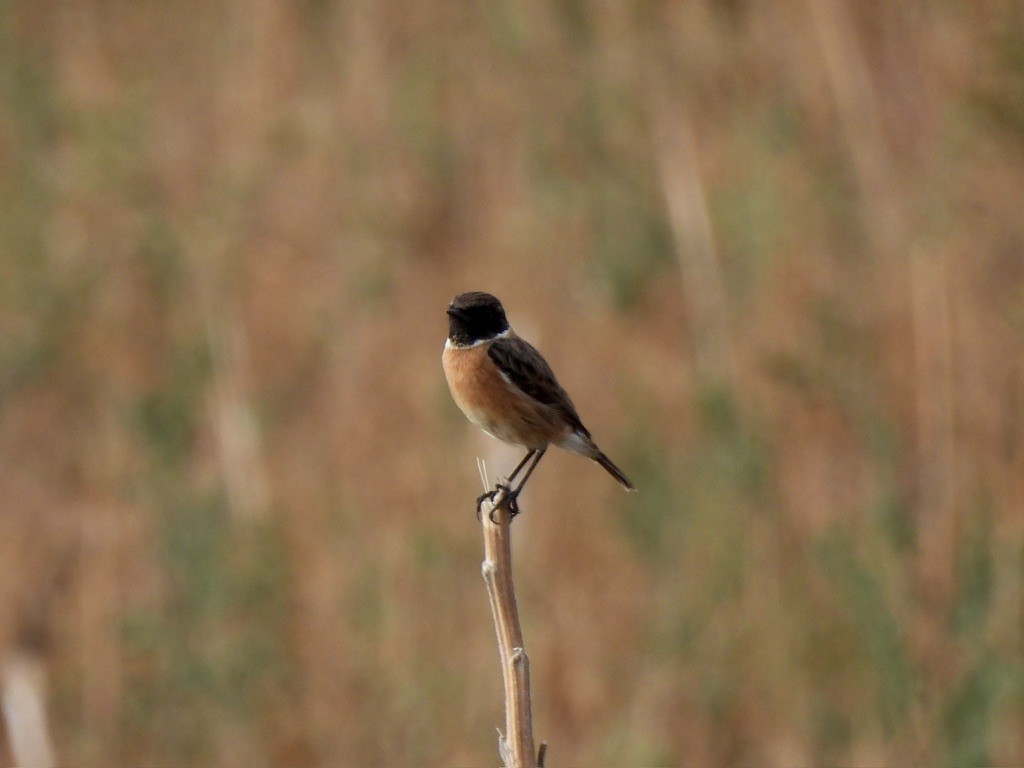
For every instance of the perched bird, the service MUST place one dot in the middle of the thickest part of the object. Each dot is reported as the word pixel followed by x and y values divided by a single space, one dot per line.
pixel 506 388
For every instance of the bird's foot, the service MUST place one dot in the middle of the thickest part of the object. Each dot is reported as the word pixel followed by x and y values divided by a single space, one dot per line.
pixel 509 500
pixel 489 496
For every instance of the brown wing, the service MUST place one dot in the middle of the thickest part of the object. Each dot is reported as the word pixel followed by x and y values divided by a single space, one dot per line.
pixel 527 370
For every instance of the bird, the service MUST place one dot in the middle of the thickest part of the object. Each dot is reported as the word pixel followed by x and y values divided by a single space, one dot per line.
pixel 505 386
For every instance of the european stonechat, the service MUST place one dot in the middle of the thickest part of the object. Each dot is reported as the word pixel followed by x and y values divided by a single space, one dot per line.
pixel 507 388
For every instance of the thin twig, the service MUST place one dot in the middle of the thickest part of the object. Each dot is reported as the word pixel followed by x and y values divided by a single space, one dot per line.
pixel 516 746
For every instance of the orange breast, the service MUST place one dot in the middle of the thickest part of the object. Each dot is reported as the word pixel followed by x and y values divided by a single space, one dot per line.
pixel 494 405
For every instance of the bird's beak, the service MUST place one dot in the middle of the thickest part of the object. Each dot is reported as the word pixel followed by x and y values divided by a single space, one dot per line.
pixel 454 312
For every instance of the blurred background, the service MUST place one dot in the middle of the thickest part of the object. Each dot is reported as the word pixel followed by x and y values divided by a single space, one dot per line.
pixel 774 250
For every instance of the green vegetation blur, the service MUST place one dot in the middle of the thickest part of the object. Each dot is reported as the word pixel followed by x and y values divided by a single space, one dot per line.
pixel 775 251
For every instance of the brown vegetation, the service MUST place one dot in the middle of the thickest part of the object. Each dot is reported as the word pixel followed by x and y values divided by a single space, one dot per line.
pixel 774 250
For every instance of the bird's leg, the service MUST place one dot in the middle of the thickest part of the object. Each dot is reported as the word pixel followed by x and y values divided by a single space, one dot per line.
pixel 519 467
pixel 506 486
pixel 533 466
pixel 489 496
pixel 512 494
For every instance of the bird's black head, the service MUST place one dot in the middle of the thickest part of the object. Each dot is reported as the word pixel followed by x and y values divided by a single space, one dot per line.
pixel 473 317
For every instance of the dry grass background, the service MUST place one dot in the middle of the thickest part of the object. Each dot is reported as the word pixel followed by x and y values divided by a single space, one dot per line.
pixel 775 250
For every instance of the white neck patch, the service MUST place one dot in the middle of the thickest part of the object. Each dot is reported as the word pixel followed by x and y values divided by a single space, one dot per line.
pixel 449 345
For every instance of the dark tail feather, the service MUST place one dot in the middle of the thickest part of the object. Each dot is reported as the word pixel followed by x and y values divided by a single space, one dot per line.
pixel 614 471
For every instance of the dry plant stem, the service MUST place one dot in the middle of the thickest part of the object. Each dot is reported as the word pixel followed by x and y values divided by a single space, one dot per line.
pixel 690 220
pixel 935 391
pixel 23 704
pixel 516 746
